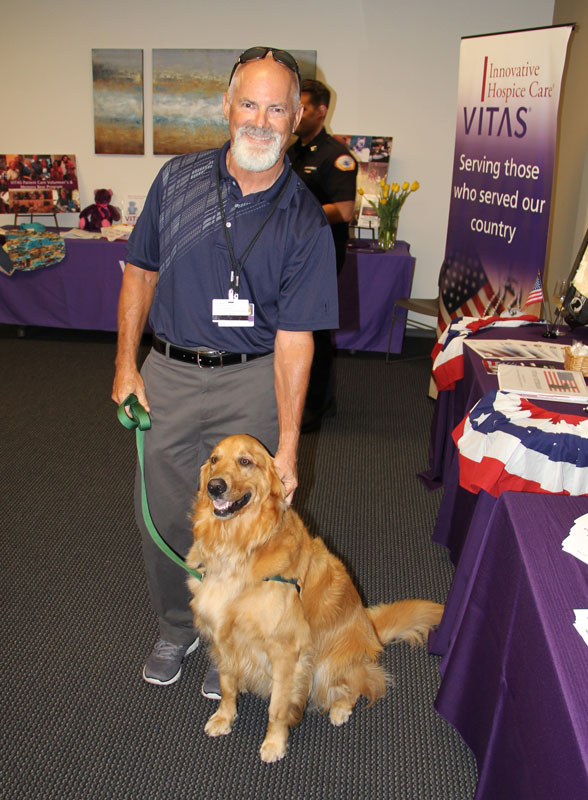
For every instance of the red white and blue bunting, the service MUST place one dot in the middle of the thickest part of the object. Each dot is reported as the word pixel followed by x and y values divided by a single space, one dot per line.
pixel 448 352
pixel 507 443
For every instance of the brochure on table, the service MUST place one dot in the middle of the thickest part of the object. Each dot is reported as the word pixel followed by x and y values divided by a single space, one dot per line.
pixel 542 383
pixel 517 350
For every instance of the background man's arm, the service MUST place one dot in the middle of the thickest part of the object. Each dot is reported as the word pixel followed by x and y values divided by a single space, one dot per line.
pixel 293 351
pixel 339 212
pixel 136 296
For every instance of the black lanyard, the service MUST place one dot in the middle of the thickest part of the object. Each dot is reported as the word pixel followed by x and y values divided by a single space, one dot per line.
pixel 237 265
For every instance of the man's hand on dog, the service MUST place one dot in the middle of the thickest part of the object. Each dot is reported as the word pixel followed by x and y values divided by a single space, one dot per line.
pixel 288 474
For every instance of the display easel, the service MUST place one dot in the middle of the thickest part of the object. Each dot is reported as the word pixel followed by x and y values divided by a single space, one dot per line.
pixel 32 214
pixel 356 232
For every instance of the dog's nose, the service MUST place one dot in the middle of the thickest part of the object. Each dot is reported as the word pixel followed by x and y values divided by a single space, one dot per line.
pixel 216 487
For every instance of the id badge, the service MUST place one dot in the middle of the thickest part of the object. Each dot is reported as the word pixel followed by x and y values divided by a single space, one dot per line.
pixel 233 313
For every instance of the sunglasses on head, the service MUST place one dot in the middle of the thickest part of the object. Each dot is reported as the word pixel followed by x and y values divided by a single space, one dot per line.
pixel 259 53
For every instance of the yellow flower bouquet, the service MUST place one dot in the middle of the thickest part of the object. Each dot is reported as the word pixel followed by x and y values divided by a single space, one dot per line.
pixel 392 198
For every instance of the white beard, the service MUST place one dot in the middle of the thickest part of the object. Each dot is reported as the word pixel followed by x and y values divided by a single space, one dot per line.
pixel 252 157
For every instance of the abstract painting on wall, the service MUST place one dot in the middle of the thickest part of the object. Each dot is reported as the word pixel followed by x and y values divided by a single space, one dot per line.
pixel 188 87
pixel 118 101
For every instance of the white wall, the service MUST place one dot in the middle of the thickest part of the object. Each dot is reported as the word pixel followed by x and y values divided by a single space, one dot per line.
pixel 392 65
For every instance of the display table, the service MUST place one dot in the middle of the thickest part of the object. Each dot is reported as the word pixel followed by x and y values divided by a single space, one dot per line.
pixel 457 505
pixel 514 668
pixel 80 292
pixel 370 282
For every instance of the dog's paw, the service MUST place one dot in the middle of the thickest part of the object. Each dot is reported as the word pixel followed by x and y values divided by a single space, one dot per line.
pixel 271 751
pixel 339 715
pixel 218 725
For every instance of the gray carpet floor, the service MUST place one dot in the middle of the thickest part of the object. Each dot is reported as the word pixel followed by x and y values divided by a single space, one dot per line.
pixel 77 721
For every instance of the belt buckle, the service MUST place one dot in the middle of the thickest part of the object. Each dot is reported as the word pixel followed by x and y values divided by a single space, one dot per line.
pixel 209 355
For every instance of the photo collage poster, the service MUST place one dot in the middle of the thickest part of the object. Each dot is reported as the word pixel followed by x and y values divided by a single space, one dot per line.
pixel 38 184
pixel 373 156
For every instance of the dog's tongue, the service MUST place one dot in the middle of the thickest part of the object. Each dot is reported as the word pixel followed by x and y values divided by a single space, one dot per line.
pixel 221 505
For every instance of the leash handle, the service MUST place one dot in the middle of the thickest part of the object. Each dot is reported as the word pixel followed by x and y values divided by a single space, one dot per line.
pixel 141 421
pixel 139 417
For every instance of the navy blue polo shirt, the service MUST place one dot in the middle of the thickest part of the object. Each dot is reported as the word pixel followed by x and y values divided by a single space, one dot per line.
pixel 289 274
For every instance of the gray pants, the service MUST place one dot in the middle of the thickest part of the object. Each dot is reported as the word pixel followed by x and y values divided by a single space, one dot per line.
pixel 191 410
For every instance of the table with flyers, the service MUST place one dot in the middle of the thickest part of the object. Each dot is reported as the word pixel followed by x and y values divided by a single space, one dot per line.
pixel 513 666
pixel 81 292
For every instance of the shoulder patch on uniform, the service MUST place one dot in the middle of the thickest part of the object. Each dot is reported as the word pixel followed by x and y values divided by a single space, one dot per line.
pixel 345 163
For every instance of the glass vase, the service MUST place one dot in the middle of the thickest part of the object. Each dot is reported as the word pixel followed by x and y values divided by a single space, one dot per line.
pixel 387 231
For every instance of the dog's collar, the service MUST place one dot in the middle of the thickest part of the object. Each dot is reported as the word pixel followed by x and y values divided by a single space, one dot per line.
pixel 293 581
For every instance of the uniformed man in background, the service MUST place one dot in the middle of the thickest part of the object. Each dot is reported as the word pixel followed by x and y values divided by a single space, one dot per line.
pixel 330 172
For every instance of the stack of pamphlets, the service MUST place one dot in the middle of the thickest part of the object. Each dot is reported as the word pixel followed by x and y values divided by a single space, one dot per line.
pixel 576 542
pixel 495 352
pixel 581 622
pixel 80 233
pixel 543 383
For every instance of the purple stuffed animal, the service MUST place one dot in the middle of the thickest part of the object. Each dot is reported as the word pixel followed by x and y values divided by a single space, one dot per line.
pixel 100 214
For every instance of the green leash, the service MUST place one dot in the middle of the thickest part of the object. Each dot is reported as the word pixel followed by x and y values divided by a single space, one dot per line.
pixel 141 422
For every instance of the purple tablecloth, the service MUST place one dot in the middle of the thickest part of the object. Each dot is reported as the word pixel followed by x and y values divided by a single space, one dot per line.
pixel 514 668
pixel 80 292
pixel 369 284
pixel 457 505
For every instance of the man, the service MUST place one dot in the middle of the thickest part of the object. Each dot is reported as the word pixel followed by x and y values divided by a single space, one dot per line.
pixel 13 172
pixel 224 233
pixel 330 172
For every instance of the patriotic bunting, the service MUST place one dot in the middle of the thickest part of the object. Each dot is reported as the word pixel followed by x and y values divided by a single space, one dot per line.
pixel 507 443
pixel 448 352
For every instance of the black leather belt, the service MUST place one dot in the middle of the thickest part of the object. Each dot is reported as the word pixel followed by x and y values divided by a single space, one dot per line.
pixel 203 358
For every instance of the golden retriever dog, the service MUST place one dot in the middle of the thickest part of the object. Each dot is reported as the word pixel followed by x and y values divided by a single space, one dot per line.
pixel 280 611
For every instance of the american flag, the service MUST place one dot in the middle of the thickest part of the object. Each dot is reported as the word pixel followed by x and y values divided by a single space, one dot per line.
pixel 558 379
pixel 465 290
pixel 536 293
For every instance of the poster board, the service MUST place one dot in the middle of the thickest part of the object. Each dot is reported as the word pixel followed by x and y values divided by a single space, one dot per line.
pixel 373 156
pixel 38 184
pixel 504 158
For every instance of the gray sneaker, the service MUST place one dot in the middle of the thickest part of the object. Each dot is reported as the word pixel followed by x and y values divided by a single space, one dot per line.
pixel 211 685
pixel 164 665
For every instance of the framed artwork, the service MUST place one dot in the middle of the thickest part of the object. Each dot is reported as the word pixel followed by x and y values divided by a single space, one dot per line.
pixel 118 101
pixel 188 86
